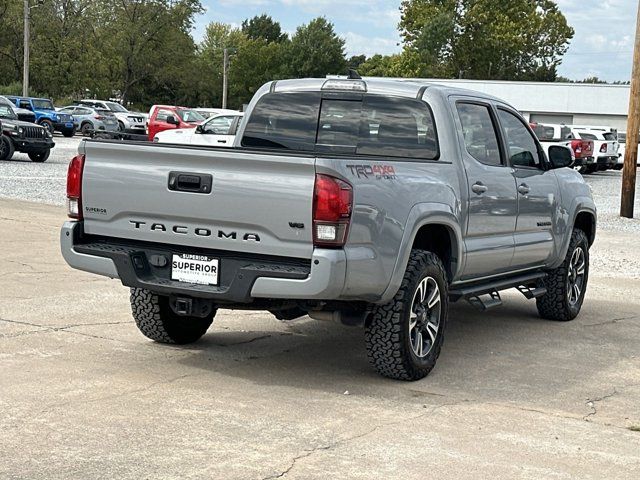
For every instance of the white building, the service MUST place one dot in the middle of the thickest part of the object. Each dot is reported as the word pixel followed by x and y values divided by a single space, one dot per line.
pixel 568 103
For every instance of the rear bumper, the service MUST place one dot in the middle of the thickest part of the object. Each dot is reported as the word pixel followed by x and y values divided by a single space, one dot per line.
pixel 243 278
pixel 605 162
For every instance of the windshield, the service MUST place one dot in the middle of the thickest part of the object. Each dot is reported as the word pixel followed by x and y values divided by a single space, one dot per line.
pixel 7 112
pixel 116 107
pixel 189 116
pixel 42 104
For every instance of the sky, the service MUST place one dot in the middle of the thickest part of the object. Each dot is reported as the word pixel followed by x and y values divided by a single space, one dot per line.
pixel 602 45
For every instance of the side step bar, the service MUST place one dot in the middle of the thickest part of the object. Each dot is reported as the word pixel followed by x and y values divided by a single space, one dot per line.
pixel 486 295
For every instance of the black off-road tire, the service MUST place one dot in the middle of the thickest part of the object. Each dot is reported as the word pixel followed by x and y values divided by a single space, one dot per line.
pixel 69 132
pixel 155 319
pixel 555 305
pixel 387 329
pixel 6 148
pixel 39 157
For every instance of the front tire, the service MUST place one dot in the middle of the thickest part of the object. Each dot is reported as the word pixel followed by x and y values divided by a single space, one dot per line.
pixel 567 284
pixel 69 133
pixel 6 148
pixel 39 157
pixel 156 320
pixel 48 125
pixel 404 337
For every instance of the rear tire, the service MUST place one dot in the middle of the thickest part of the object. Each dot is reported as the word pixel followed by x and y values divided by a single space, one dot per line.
pixel 6 148
pixel 86 128
pixel 404 337
pixel 157 321
pixel 567 284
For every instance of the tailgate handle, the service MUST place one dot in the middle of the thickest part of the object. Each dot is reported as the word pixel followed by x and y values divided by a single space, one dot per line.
pixel 190 182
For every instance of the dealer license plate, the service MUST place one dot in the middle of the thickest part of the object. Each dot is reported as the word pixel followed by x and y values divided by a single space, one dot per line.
pixel 199 269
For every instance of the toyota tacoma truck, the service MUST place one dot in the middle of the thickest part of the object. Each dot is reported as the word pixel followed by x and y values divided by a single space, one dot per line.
pixel 368 202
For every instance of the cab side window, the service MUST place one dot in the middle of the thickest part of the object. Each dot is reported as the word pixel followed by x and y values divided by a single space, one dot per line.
pixel 162 115
pixel 522 148
pixel 479 133
pixel 219 126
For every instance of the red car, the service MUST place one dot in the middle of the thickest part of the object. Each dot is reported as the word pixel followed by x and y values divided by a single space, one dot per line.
pixel 166 117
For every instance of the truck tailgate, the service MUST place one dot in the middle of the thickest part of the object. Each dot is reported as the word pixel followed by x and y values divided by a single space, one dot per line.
pixel 253 199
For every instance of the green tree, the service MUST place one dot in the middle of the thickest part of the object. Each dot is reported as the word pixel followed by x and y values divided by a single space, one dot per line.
pixel 515 40
pixel 315 51
pixel 263 27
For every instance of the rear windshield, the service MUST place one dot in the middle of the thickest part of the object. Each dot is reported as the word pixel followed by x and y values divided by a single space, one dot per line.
pixel 609 136
pixel 547 133
pixel 363 125
pixel 587 136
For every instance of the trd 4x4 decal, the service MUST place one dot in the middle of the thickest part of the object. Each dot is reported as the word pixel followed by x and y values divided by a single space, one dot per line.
pixel 379 172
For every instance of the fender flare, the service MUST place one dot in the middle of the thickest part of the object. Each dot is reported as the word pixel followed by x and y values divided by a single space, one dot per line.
pixel 420 215
pixel 580 204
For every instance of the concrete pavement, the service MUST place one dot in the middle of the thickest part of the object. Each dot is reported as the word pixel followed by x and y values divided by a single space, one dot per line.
pixel 84 395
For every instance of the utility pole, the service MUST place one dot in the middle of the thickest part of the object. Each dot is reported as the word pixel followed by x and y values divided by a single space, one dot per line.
pixel 633 127
pixel 225 72
pixel 25 67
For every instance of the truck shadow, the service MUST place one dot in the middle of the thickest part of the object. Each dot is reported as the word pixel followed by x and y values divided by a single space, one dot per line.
pixel 506 354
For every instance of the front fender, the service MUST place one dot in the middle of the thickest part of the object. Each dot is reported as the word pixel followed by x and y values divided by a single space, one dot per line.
pixel 579 204
pixel 420 215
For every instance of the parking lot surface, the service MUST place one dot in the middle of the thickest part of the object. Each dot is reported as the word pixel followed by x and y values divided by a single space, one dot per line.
pixel 84 395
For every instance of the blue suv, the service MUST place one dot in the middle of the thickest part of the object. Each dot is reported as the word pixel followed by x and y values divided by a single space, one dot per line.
pixel 46 115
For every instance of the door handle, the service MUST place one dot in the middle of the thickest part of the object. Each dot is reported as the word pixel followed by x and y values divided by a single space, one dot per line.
pixel 479 188
pixel 523 189
pixel 222 141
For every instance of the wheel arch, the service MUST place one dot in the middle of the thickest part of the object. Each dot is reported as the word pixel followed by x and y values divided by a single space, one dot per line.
pixel 434 227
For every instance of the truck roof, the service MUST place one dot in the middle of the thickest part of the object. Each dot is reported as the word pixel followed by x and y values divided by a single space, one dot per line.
pixel 377 85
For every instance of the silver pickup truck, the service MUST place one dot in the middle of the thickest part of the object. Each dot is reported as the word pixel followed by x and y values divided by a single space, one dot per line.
pixel 368 202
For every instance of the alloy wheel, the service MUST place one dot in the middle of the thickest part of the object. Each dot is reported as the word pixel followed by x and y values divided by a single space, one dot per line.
pixel 575 275
pixel 424 318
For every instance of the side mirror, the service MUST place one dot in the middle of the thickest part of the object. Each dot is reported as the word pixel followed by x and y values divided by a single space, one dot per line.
pixel 560 156
pixel 199 129
pixel 171 120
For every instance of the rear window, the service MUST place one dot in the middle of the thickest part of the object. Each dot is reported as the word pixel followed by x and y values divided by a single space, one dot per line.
pixel 373 126
pixel 284 120
pixel 587 136
pixel 609 136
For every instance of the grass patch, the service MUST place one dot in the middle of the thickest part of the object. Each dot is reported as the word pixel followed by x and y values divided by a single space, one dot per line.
pixel 634 428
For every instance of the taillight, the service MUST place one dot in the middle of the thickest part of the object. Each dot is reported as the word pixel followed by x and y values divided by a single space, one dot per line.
pixel 74 187
pixel 603 148
pixel 576 146
pixel 332 204
pixel 98 117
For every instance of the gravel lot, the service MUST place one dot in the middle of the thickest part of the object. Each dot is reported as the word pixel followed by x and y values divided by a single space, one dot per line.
pixel 45 183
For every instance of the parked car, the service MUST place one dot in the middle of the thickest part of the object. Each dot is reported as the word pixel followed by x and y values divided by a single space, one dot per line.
pixel 23 114
pixel 622 139
pixel 605 147
pixel 19 136
pixel 46 115
pixel 216 131
pixel 372 203
pixel 89 119
pixel 168 117
pixel 551 134
pixel 128 122
pixel 210 112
